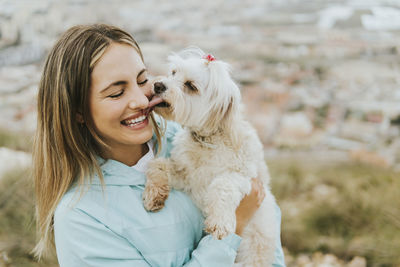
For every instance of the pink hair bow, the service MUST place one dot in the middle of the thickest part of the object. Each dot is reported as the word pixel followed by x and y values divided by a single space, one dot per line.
pixel 209 57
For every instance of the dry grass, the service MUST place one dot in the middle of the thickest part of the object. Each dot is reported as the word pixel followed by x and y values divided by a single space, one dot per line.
pixel 17 225
pixel 16 141
pixel 345 209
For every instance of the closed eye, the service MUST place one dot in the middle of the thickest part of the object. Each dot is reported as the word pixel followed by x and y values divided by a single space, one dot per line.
pixel 117 94
pixel 189 85
pixel 144 82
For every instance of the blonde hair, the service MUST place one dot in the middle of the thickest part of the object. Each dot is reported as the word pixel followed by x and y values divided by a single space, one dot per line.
pixel 65 150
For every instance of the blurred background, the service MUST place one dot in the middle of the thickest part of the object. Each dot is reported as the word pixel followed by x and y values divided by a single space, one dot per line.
pixel 321 83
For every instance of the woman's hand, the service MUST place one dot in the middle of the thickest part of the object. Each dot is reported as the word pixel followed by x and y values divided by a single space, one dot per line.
pixel 249 205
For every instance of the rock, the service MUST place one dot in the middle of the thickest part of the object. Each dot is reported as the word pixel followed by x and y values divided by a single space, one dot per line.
pixel 319 259
pixel 358 131
pixel 338 143
pixel 327 260
pixel 330 15
pixel 21 55
pixel 10 34
pixel 295 125
pixel 14 79
pixel 357 262
pixel 381 19
pixel 5 260
pixel 324 192
pixel 304 260
pixel 11 159
pixel 298 39
pixel 369 157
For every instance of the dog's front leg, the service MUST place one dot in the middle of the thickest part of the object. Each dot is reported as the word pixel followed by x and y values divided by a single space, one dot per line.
pixel 223 197
pixel 157 184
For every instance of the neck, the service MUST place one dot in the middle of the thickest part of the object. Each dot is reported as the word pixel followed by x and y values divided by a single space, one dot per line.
pixel 204 133
pixel 222 135
pixel 127 154
pixel 209 138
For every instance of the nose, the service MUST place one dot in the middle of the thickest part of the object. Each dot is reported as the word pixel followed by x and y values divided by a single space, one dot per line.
pixel 159 87
pixel 139 99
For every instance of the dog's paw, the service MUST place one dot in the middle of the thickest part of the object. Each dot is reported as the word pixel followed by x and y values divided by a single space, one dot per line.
pixel 216 229
pixel 154 197
pixel 157 167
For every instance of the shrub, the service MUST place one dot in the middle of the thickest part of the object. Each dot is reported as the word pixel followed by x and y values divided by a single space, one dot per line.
pixel 17 224
pixel 346 209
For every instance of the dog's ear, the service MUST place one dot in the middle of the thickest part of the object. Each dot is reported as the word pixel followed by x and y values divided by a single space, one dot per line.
pixel 228 122
pixel 224 98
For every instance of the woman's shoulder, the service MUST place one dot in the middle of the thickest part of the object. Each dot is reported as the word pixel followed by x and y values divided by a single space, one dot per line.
pixel 67 211
pixel 120 205
pixel 121 212
pixel 171 129
pixel 79 201
pixel 68 205
pixel 69 198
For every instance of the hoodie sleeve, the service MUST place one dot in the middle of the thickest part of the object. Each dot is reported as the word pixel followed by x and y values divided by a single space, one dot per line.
pixel 211 252
pixel 279 256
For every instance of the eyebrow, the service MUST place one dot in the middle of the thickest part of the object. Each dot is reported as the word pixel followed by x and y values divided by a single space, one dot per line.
pixel 121 82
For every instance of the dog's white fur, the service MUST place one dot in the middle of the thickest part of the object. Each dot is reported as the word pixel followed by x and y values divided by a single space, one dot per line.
pixel 215 156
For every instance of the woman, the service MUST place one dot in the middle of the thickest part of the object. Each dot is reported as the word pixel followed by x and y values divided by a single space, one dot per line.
pixel 95 135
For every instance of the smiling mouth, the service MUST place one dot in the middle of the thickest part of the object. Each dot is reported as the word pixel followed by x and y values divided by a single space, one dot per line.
pixel 135 121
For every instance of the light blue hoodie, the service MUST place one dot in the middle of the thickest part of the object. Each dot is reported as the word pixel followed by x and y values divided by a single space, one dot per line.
pixel 111 227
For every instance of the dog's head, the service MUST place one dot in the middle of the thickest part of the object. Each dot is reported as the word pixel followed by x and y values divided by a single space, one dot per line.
pixel 198 93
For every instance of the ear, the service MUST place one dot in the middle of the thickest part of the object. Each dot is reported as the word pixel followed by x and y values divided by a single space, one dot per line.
pixel 227 96
pixel 79 118
pixel 228 115
pixel 232 113
pixel 223 93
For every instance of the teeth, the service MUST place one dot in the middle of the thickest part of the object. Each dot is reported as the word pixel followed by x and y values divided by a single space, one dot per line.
pixel 137 120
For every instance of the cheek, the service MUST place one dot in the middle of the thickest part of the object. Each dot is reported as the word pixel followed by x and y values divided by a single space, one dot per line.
pixel 104 112
pixel 93 109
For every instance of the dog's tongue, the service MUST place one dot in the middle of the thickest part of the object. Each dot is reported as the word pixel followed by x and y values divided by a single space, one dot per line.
pixel 154 101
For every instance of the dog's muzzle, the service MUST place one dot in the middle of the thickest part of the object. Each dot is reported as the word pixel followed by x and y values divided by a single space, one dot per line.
pixel 159 88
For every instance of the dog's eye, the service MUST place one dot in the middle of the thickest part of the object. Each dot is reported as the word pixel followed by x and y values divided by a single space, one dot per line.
pixel 189 85
pixel 173 72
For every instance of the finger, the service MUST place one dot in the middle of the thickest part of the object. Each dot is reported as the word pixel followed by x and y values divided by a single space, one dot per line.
pixel 260 200
pixel 260 186
pixel 261 196
pixel 254 186
pixel 260 182
pixel 254 182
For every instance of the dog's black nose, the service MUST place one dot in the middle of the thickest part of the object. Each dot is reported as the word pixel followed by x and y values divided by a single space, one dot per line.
pixel 159 87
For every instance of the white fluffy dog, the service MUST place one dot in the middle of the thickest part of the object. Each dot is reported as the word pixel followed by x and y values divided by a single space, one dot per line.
pixel 214 156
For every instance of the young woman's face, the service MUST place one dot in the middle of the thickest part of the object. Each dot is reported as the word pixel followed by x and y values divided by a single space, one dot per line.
pixel 119 98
